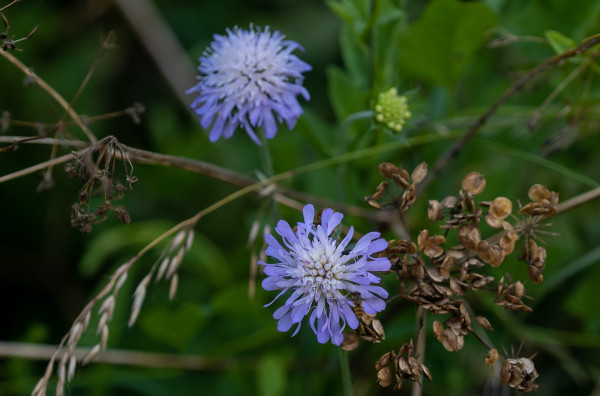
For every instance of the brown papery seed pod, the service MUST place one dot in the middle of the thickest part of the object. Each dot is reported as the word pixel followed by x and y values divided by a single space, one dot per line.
pixel 384 360
pixel 434 211
pixel 387 169
pixel 501 207
pixel 491 357
pixel 493 221
pixel 351 341
pixel 474 183
pixel 485 324
pixel 384 377
pixel 538 192
pixel 419 173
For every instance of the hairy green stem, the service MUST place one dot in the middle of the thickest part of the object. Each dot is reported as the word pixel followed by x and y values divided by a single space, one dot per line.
pixel 345 368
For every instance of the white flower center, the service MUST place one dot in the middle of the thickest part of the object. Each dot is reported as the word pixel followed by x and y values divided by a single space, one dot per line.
pixel 320 271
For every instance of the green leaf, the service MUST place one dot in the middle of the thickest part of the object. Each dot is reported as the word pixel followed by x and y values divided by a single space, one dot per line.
pixel 271 376
pixel 356 56
pixel 115 240
pixel 207 262
pixel 559 42
pixel 346 97
pixel 315 130
pixel 175 326
pixel 438 46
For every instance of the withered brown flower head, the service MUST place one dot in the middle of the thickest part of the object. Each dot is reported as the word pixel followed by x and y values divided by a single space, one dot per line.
pixel 369 329
pixel 99 179
pixel 519 373
pixel 437 277
pixel 402 179
pixel 474 183
pixel 404 366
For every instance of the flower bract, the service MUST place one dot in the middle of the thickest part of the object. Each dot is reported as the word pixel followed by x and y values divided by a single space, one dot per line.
pixel 250 79
pixel 324 277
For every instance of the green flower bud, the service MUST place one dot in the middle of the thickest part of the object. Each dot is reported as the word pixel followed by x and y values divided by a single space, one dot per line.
pixel 391 109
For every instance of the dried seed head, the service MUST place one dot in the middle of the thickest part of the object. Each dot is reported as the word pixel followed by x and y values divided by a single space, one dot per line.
pixel 484 323
pixel 122 215
pixel 430 244
pixel 538 192
pixel 434 211
pixel 387 170
pixel 474 183
pixel 419 173
pixel 351 341
pixel 500 207
pixel 385 360
pixel 469 236
pixel 384 377
pixel 378 327
pixel 535 274
pixel 519 374
pixel 449 202
pixel 491 357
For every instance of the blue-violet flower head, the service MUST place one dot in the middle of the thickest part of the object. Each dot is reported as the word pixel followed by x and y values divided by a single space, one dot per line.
pixel 324 275
pixel 249 78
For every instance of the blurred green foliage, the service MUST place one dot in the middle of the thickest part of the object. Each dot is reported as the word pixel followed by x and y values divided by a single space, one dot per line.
pixel 358 48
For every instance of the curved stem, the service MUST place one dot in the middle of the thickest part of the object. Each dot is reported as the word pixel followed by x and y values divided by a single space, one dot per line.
pixel 455 149
pixel 52 92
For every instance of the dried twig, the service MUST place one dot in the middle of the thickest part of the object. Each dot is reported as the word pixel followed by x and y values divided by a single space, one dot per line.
pixel 117 356
pixel 455 149
pixel 52 92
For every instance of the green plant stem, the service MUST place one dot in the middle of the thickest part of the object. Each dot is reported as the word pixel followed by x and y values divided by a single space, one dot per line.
pixel 345 368
pixel 536 159
pixel 343 146
pixel 265 156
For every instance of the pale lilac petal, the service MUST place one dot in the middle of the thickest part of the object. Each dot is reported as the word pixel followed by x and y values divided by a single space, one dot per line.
pixel 299 272
pixel 249 79
pixel 309 214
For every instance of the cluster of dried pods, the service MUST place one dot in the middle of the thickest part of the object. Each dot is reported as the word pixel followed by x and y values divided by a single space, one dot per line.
pixel 437 277
pixel 100 183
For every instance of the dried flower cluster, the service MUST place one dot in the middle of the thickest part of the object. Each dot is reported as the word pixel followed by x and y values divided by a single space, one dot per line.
pixel 99 180
pixel 8 42
pixel 369 329
pixel 394 368
pixel 437 277
pixel 519 373
pixel 402 179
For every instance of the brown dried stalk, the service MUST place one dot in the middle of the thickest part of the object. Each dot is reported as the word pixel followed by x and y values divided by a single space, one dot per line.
pixel 455 149
pixel 52 92
pixel 118 357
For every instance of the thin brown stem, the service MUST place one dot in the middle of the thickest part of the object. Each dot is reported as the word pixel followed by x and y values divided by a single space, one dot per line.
pixel 417 389
pixel 18 140
pixel 579 200
pixel 118 356
pixel 455 149
pixel 484 342
pixel 9 4
pixel 52 92
pixel 162 45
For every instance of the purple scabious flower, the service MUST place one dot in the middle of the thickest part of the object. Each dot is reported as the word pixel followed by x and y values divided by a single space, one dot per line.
pixel 249 78
pixel 323 275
